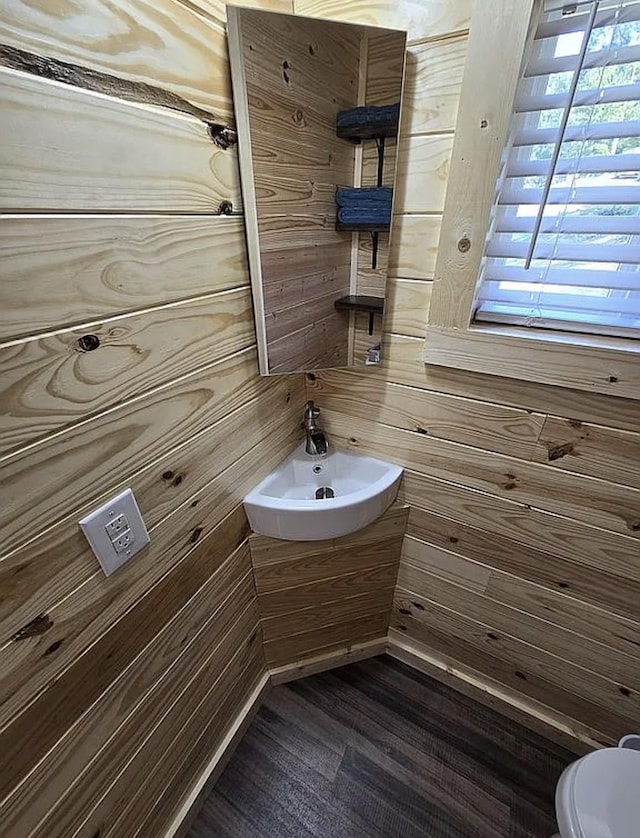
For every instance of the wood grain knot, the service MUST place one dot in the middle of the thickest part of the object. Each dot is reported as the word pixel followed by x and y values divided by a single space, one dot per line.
pixel 222 136
pixel 419 606
pixel 87 343
pixel 167 475
pixel 483 123
pixel 404 611
pixel 521 675
pixel 556 452
pixel 311 50
pixel 53 648
pixel 195 535
pixel 464 245
pixel 285 75
pixel 225 208
pixel 512 482
pixel 613 379
pixel 39 625
pixel 625 691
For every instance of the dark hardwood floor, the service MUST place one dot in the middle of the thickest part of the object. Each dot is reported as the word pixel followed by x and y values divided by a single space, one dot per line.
pixel 378 749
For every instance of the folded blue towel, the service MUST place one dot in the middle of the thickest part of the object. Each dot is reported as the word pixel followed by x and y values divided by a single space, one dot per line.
pixel 368 215
pixel 370 115
pixel 368 195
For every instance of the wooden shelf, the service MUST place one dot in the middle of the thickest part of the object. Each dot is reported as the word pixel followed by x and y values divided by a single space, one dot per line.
pixel 360 302
pixel 357 133
pixel 362 228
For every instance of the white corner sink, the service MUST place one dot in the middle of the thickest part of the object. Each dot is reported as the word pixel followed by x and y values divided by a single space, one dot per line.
pixel 290 502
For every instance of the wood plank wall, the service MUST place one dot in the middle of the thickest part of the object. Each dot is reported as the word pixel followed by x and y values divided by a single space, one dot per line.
pixel 520 569
pixel 322 598
pixel 117 175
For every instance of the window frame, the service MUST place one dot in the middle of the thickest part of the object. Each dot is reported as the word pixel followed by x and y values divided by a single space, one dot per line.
pixel 499 37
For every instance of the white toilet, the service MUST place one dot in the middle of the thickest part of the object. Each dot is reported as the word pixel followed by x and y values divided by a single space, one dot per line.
pixel 598 796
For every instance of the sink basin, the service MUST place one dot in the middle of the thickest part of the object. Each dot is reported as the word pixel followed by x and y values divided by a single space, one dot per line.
pixel 309 498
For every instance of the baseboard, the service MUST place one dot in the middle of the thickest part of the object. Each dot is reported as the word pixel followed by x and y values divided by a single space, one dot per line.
pixel 329 660
pixel 528 712
pixel 193 801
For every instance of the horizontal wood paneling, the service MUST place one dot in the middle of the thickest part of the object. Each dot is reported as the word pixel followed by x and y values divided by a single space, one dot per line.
pixel 423 168
pixel 268 551
pixel 73 625
pixel 92 153
pixel 432 85
pixel 593 450
pixel 370 578
pixel 279 577
pixel 406 302
pixel 420 17
pixel 569 636
pixel 612 711
pixel 329 613
pixel 177 47
pixel 598 586
pixel 130 708
pixel 556 534
pixel 414 245
pixel 319 596
pixel 31 734
pixel 116 443
pixel 326 639
pixel 512 671
pixel 533 484
pixel 78 269
pixel 523 584
pixel 204 729
pixel 436 415
pixel 118 691
pixel 51 382
pixel 403 364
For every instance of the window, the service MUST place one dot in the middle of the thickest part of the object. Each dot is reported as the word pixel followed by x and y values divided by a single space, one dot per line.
pixel 564 243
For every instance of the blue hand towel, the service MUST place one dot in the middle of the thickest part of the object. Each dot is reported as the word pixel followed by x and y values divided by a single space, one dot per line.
pixel 367 215
pixel 374 195
pixel 369 115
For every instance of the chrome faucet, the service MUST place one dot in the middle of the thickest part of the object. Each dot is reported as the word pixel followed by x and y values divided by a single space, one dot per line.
pixel 317 443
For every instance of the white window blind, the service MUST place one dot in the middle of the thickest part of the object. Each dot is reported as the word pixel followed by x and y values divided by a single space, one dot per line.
pixel 563 250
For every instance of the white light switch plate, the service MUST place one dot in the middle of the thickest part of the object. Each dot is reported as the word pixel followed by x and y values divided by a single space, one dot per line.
pixel 115 531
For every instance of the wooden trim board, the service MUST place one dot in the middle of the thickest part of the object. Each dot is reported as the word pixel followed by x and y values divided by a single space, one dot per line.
pixel 497 48
pixel 201 788
pixel 532 715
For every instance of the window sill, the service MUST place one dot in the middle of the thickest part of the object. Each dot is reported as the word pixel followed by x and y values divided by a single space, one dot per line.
pixel 563 359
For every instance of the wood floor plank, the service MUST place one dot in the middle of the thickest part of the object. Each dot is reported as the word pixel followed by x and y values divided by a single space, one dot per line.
pixel 378 749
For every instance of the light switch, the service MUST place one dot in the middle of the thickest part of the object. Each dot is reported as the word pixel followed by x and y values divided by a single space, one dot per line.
pixel 116 531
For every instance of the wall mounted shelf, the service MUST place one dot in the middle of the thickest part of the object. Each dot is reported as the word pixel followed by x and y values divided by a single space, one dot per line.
pixel 361 302
pixel 357 133
pixel 362 228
